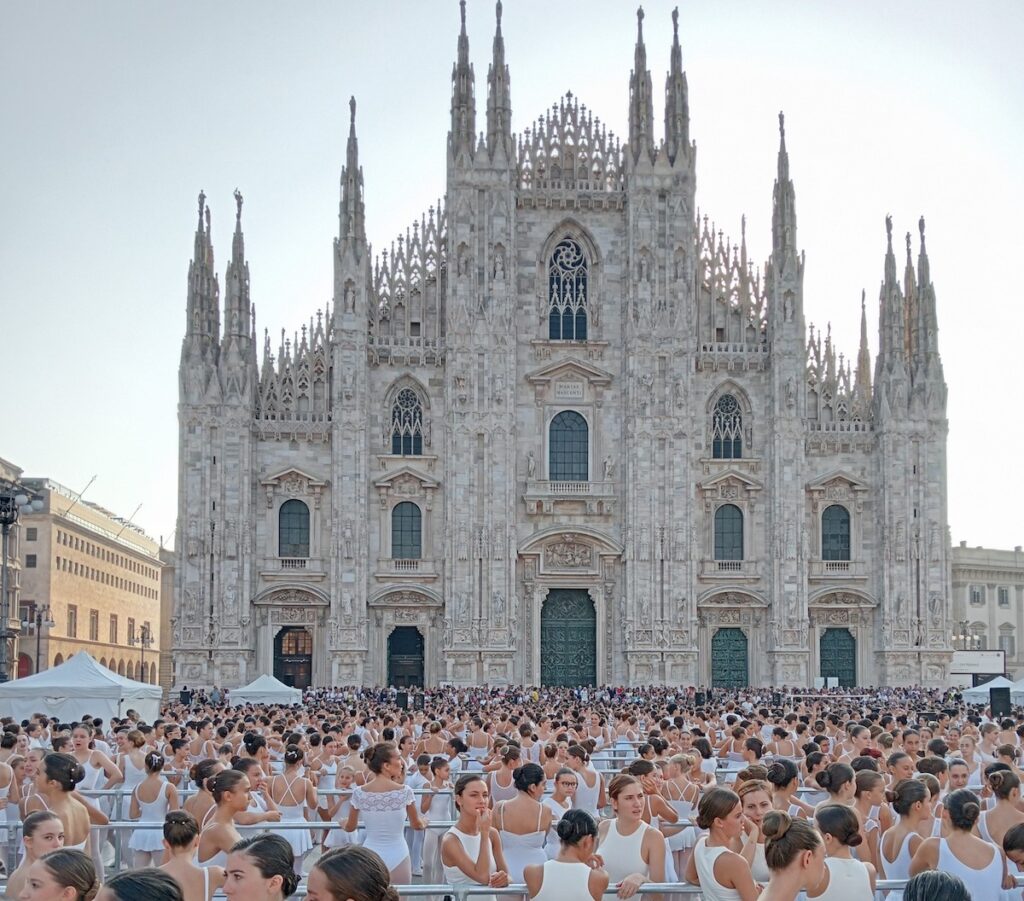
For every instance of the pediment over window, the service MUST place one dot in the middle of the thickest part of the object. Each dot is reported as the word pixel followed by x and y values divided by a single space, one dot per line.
pixel 569 381
pixel 406 481
pixel 847 598
pixel 729 485
pixel 718 598
pixel 294 483
pixel 838 480
pixel 837 486
pixel 563 369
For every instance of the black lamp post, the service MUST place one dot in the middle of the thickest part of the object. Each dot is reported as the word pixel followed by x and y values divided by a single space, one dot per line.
pixel 145 640
pixel 41 619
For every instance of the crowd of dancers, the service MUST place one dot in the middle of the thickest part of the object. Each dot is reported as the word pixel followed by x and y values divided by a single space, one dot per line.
pixel 824 796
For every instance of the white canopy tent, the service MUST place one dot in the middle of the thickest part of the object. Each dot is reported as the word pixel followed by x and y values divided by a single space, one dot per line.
pixel 77 687
pixel 265 690
pixel 979 694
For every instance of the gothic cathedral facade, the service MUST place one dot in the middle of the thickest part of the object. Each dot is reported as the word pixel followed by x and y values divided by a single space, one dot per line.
pixel 563 431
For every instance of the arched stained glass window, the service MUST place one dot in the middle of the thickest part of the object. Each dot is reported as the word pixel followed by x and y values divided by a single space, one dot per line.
pixel 568 448
pixel 728 533
pixel 407 424
pixel 406 532
pixel 727 429
pixel 835 533
pixel 567 292
pixel 293 529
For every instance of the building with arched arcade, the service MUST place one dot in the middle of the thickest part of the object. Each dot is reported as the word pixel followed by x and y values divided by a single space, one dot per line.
pixel 561 431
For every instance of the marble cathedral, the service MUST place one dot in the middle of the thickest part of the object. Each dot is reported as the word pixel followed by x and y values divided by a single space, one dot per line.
pixel 561 431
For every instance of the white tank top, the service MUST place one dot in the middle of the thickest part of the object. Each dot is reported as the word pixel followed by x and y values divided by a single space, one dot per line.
pixel 984 883
pixel 847 881
pixel 704 860
pixel 622 853
pixel 565 882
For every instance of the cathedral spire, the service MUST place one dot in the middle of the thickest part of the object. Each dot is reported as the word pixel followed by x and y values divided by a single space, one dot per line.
pixel 928 313
pixel 862 385
pixel 203 308
pixel 237 309
pixel 641 110
pixel 463 130
pixel 783 203
pixel 352 217
pixel 499 99
pixel 892 350
pixel 677 104
pixel 912 328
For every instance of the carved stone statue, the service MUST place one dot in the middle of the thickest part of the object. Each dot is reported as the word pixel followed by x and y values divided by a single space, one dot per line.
pixel 498 606
pixel 462 606
pixel 531 465
pixel 230 601
pixel 346 540
pixel 499 266
pixel 609 468
pixel 193 538
pixel 346 603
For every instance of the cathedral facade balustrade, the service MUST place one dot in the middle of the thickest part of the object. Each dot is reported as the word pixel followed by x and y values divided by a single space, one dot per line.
pixel 396 569
pixel 844 570
pixel 731 570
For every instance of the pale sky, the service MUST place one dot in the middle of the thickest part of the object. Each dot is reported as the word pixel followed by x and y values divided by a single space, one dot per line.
pixel 115 114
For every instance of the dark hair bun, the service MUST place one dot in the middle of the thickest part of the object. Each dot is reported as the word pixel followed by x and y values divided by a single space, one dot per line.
pixel 854 840
pixel 824 779
pixel 293 754
pixel 575 825
pixel 775 824
pixel 526 776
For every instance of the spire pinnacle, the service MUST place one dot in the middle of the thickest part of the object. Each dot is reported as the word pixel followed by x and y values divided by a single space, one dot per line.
pixel 238 210
pixel 863 382
pixel 499 100
pixel 924 276
pixel 784 202
pixel 202 204
pixel 237 308
pixel 641 110
pixel 677 106
pixel 351 214
pixel 463 127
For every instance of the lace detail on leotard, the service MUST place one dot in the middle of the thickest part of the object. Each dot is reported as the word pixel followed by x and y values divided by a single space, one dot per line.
pixel 382 801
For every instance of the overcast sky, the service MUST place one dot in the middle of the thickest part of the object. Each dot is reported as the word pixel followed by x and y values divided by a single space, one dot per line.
pixel 115 114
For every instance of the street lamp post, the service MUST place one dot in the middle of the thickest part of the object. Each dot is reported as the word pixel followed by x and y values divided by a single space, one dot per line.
pixel 145 640
pixel 42 619
pixel 13 502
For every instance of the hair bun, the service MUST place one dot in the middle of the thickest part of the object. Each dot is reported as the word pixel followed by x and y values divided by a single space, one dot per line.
pixel 776 824
pixel 823 778
pixel 854 840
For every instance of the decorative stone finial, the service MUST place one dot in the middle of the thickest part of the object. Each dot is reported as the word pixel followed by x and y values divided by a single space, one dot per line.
pixel 888 230
pixel 908 245
pixel 497 13
pixel 352 110
pixel 462 13
pixel 238 206
pixel 920 228
pixel 202 203
pixel 639 23
pixel 782 125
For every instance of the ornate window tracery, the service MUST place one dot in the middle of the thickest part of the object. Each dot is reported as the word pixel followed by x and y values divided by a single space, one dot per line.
pixel 567 292
pixel 293 529
pixel 835 533
pixel 407 424
pixel 568 448
pixel 727 429
pixel 728 533
pixel 406 532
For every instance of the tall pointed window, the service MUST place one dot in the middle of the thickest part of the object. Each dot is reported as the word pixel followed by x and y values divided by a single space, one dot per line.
pixel 407 424
pixel 567 292
pixel 728 533
pixel 835 533
pixel 568 448
pixel 406 532
pixel 727 429
pixel 293 529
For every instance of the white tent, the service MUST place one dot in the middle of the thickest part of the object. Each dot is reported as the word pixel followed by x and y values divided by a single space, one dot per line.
pixel 77 687
pixel 265 690
pixel 979 694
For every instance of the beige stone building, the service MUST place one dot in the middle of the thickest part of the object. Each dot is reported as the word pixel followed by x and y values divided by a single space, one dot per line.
pixel 988 602
pixel 97 577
